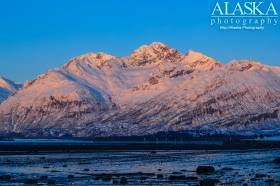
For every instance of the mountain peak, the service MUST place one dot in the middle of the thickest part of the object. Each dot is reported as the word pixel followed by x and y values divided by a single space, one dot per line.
pixel 200 61
pixel 100 56
pixel 245 65
pixel 156 52
pixel 194 54
pixel 158 46
pixel 92 59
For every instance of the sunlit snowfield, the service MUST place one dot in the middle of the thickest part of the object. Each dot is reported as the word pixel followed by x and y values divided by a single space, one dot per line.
pixel 253 167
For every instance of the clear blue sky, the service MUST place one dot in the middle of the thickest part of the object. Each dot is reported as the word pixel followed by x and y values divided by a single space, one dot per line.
pixel 37 35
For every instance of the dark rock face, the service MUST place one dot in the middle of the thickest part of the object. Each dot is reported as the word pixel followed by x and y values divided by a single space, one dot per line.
pixel 5 177
pixel 123 180
pixel 51 182
pixel 209 182
pixel 269 180
pixel 159 176
pixel 177 177
pixel 205 169
pixel 277 160
pixel 153 81
pixel 260 175
pixel 227 169
pixel 31 181
pixel 71 176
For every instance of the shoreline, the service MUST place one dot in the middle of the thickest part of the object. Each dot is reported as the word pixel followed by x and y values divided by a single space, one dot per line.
pixel 107 146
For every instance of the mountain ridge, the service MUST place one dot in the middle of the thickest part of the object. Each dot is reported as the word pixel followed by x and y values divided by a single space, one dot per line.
pixel 7 88
pixel 154 89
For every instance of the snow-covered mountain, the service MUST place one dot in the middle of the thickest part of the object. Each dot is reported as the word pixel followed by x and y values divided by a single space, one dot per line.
pixel 7 88
pixel 156 88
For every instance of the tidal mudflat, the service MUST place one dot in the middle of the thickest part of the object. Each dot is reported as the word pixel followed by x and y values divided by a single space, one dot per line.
pixel 189 167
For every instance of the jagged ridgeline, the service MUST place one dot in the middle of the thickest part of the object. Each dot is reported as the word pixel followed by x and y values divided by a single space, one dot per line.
pixel 154 89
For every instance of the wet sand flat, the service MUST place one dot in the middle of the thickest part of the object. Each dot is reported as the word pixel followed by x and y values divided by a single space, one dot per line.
pixel 232 167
